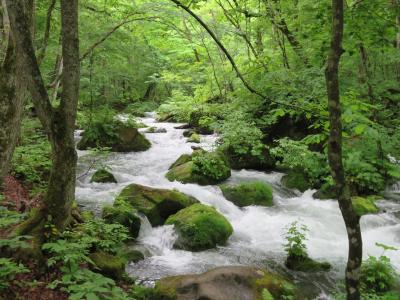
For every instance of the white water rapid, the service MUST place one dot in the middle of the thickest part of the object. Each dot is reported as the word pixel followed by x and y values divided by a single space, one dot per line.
pixel 258 231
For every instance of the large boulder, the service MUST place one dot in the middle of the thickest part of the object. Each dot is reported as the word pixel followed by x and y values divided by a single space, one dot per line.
pixel 239 161
pixel 200 227
pixel 194 138
pixel 248 193
pixel 233 283
pixel 108 265
pixel 123 213
pixel 306 264
pixel 201 167
pixel 296 180
pixel 156 204
pixel 365 205
pixel 122 138
pixel 103 176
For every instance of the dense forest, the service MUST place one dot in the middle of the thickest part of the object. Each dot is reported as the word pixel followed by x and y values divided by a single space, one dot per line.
pixel 194 149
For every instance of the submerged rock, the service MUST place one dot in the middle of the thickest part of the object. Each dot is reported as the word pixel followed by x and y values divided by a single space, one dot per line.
pixel 124 214
pixel 306 264
pixel 296 180
pixel 108 265
pixel 365 205
pixel 125 138
pixel 200 227
pixel 103 176
pixel 156 204
pixel 223 283
pixel 248 193
pixel 201 167
pixel 156 130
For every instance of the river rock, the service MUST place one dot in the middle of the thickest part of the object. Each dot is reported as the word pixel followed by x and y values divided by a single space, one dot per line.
pixel 194 138
pixel 203 168
pixel 248 193
pixel 108 265
pixel 296 180
pixel 306 264
pixel 156 204
pixel 249 161
pixel 200 227
pixel 125 139
pixel 184 126
pixel 223 283
pixel 325 192
pixel 365 205
pixel 103 176
pixel 156 130
pixel 124 214
pixel 189 132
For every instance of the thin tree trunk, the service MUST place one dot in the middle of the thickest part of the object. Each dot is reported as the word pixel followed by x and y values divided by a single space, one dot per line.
pixel 352 221
pixel 59 122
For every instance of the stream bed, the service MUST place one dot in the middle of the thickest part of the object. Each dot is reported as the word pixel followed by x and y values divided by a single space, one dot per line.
pixel 258 231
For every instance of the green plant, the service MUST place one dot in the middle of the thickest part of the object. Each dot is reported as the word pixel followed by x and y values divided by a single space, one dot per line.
pixel 377 273
pixel 295 240
pixel 210 164
pixel 8 270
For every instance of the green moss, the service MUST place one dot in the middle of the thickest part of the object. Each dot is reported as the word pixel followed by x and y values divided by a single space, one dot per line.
pixel 108 265
pixel 124 214
pixel 120 137
pixel 296 180
pixel 132 255
pixel 189 132
pixel 250 193
pixel 277 286
pixel 306 264
pixel 326 191
pixel 239 161
pixel 194 138
pixel 103 176
pixel 365 205
pixel 200 227
pixel 202 167
pixel 156 204
pixel 165 288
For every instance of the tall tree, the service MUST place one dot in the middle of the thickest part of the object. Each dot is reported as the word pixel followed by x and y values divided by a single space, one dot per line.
pixel 58 121
pixel 351 219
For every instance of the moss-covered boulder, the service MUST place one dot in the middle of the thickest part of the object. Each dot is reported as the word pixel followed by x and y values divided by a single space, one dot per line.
pixel 248 193
pixel 296 180
pixel 233 283
pixel 202 122
pixel 200 227
pixel 194 138
pixel 103 176
pixel 155 130
pixel 189 132
pixel 132 255
pixel 156 204
pixel 122 137
pixel 123 213
pixel 203 168
pixel 365 205
pixel 306 264
pixel 108 265
pixel 166 117
pixel 326 191
pixel 184 158
pixel 239 161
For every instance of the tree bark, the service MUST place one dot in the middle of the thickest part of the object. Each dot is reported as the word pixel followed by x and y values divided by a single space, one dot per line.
pixel 59 122
pixel 351 219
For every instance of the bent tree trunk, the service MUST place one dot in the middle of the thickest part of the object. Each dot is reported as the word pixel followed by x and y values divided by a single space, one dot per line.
pixel 59 122
pixel 351 219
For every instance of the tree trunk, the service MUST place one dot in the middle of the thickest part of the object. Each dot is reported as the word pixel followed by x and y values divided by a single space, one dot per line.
pixel 59 122
pixel 352 221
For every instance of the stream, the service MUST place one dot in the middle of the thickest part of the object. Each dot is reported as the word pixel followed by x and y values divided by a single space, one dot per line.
pixel 258 231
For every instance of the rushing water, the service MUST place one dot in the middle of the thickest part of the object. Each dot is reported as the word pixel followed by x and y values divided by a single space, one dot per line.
pixel 258 231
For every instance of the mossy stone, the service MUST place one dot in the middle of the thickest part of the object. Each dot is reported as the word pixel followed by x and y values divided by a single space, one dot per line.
pixel 201 167
pixel 326 191
pixel 108 265
pixel 365 205
pixel 200 227
pixel 132 255
pixel 296 180
pixel 194 138
pixel 276 285
pixel 248 193
pixel 239 161
pixel 306 264
pixel 124 214
pixel 189 132
pixel 156 204
pixel 125 138
pixel 103 176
